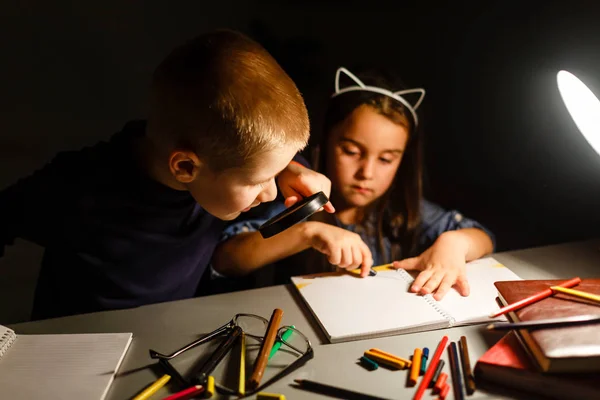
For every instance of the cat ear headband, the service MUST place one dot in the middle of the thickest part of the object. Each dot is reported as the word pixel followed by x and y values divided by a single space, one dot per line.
pixel 365 88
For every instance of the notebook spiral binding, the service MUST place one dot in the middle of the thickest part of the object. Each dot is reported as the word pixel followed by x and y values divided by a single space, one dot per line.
pixel 6 340
pixel 429 299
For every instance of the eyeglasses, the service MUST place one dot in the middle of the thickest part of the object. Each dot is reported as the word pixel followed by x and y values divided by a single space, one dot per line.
pixel 294 352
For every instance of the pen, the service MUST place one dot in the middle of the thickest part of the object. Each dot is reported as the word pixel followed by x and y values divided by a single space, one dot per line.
pixel 536 297
pixel 545 323
pixel 152 389
pixel 424 358
pixel 577 293
pixel 333 391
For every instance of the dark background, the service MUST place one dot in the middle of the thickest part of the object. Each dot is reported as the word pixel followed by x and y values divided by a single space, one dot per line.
pixel 500 145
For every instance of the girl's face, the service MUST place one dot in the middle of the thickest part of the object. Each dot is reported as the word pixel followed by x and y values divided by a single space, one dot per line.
pixel 363 154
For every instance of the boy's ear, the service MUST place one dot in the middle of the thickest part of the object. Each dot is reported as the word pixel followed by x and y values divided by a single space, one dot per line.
pixel 185 165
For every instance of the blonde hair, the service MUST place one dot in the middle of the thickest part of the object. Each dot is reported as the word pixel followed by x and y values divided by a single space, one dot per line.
pixel 225 97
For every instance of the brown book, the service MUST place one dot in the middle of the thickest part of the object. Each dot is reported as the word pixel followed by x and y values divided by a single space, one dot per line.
pixel 506 365
pixel 559 349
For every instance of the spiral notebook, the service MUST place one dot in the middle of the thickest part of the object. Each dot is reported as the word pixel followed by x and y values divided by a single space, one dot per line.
pixel 348 307
pixel 65 366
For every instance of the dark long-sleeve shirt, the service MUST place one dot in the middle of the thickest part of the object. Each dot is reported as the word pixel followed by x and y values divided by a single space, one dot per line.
pixel 113 237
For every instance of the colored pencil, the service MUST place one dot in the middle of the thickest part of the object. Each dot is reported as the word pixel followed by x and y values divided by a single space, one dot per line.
pixel 466 365
pixel 457 379
pixel 431 369
pixel 186 394
pixel 545 323
pixel 577 293
pixel 265 349
pixel 152 389
pixel 333 391
pixel 534 298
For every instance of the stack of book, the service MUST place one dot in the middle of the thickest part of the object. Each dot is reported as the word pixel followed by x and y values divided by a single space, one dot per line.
pixel 558 362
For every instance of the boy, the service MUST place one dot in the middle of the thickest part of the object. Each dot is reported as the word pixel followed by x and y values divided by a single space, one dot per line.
pixel 135 220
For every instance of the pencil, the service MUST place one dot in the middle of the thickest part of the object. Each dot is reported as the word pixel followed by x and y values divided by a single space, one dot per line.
pixel 186 394
pixel 577 293
pixel 545 323
pixel 534 298
pixel 466 365
pixel 242 379
pixel 152 389
pixel 457 380
pixel 265 349
pixel 431 369
pixel 333 391
pixel 415 367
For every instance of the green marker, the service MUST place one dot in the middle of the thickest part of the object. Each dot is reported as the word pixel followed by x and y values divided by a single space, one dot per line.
pixel 277 344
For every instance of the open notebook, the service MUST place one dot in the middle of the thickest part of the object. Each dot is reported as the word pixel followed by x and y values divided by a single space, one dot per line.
pixel 65 367
pixel 349 307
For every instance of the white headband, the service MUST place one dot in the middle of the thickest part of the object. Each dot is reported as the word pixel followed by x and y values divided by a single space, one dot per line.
pixel 365 88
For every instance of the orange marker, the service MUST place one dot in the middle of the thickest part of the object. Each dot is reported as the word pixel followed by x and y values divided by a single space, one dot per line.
pixel 439 384
pixel 415 367
pixel 444 392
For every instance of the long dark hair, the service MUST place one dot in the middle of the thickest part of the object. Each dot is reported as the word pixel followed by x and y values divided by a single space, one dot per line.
pixel 397 212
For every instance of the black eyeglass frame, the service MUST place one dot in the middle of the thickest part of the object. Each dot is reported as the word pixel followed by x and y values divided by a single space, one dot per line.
pixel 232 330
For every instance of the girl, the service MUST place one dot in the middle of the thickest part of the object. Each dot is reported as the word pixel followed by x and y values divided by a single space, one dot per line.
pixel 371 151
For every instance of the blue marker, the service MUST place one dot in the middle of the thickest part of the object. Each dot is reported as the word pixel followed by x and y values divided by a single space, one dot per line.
pixel 424 360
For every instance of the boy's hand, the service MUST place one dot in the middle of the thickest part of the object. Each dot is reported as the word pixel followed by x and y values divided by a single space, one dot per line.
pixel 343 248
pixel 442 266
pixel 297 181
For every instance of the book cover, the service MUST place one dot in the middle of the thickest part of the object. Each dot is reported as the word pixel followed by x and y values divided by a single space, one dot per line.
pixel 560 349
pixel 506 364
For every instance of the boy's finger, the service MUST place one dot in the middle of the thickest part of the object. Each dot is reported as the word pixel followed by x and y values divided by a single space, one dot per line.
pixel 329 207
pixel 290 201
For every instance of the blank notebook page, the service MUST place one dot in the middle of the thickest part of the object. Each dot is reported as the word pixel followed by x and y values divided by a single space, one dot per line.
pixel 347 306
pixel 481 301
pixel 65 367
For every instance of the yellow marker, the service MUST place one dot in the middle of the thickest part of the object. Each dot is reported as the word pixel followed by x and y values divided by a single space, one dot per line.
pixel 385 360
pixel 577 293
pixel 385 353
pixel 155 387
pixel 210 387
pixel 269 396
pixel 242 381
pixel 415 368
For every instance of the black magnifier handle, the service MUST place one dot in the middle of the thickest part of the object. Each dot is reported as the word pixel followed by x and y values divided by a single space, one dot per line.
pixel 215 358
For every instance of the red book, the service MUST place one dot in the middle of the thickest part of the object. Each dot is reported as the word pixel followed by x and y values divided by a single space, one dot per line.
pixel 506 364
pixel 558 349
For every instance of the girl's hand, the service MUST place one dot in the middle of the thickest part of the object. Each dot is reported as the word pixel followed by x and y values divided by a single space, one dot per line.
pixel 343 248
pixel 442 266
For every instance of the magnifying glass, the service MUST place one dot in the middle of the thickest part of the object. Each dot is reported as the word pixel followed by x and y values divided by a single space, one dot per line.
pixel 292 215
